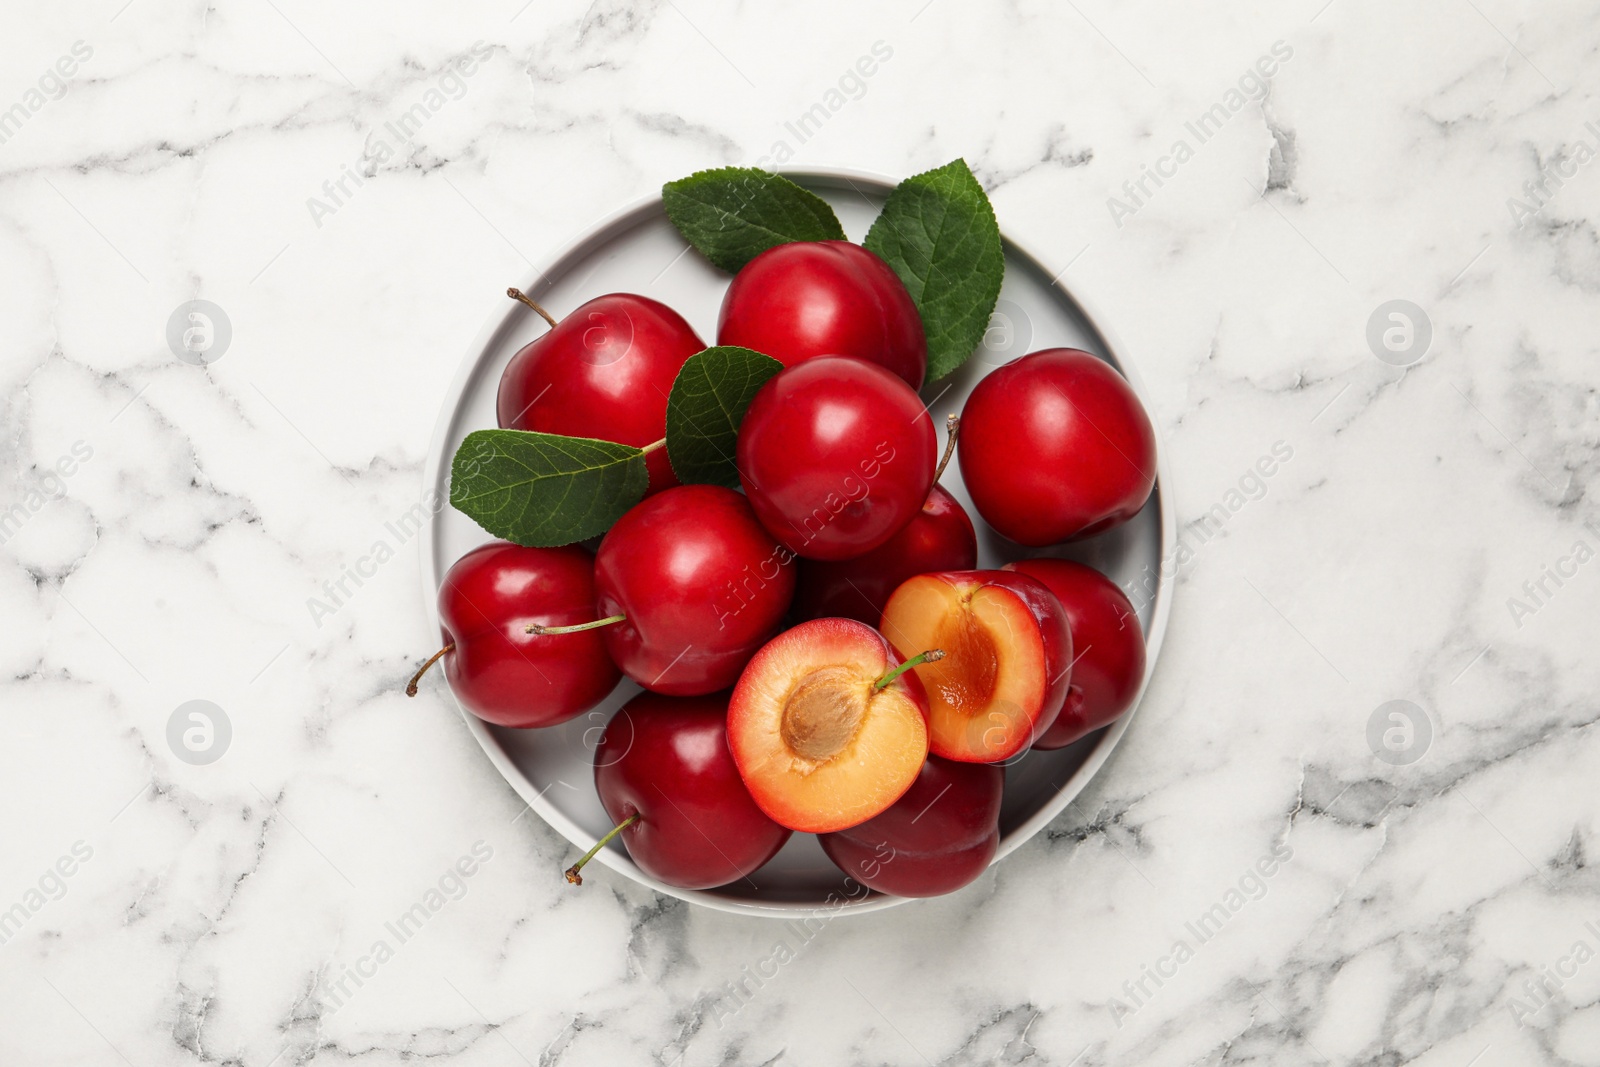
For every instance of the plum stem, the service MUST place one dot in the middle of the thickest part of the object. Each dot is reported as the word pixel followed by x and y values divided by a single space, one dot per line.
pixel 952 425
pixel 915 661
pixel 652 446
pixel 517 294
pixel 535 628
pixel 572 872
pixel 411 686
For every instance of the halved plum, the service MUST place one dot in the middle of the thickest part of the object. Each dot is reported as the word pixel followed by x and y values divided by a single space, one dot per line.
pixel 1008 658
pixel 1107 643
pixel 824 729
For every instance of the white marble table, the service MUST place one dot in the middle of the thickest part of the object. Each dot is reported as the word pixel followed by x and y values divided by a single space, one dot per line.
pixel 1426 534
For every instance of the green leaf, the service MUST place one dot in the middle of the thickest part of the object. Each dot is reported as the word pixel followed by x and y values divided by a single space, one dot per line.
pixel 938 232
pixel 707 403
pixel 542 489
pixel 734 214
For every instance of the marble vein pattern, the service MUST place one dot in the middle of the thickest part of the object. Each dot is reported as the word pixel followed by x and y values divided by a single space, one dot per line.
pixel 1264 873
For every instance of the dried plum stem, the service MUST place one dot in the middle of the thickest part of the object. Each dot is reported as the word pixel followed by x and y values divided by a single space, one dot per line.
pixel 952 425
pixel 411 686
pixel 517 294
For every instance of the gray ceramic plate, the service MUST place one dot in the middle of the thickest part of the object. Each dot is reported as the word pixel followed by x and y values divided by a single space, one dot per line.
pixel 637 250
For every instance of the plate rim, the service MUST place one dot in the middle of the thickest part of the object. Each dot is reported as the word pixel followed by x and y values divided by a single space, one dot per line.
pixel 535 283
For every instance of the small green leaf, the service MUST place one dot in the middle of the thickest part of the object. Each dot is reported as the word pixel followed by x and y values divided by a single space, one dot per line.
pixel 734 214
pixel 938 232
pixel 704 410
pixel 542 489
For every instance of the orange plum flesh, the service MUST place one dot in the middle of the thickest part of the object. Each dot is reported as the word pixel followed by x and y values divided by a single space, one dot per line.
pixel 820 746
